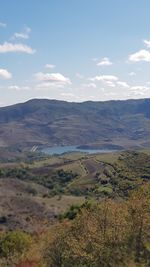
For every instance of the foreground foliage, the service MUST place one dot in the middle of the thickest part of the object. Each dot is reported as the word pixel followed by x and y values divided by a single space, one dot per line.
pixel 110 233
pixel 13 246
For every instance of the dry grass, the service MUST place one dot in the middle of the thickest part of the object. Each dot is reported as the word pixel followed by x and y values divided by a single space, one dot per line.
pixel 108 158
pixel 59 204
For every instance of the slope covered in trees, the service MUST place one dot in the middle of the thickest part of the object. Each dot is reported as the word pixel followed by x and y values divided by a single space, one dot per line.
pixel 109 233
pixel 49 122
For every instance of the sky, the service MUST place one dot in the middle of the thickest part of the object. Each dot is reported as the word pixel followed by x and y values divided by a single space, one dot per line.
pixel 74 50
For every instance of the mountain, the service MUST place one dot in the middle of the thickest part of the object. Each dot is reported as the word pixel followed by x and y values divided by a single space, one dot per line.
pixel 52 122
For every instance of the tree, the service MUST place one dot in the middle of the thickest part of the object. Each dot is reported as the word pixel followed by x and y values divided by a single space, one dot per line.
pixel 13 246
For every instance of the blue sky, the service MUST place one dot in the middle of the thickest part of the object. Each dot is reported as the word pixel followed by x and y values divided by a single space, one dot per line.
pixel 74 50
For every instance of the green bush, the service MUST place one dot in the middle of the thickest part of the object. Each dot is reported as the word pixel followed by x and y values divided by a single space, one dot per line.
pixel 13 245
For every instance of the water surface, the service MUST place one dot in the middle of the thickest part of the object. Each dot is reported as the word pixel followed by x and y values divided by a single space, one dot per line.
pixel 59 150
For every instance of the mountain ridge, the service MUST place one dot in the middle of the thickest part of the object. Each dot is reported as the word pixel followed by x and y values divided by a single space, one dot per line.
pixel 54 122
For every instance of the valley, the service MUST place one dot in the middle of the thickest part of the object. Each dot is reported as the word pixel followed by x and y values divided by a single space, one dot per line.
pixel 68 171
pixel 74 133
pixel 36 192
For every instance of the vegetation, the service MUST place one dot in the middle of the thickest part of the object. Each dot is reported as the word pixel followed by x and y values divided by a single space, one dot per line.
pixel 38 122
pixel 109 233
pixel 54 215
pixel 13 247
pixel 90 176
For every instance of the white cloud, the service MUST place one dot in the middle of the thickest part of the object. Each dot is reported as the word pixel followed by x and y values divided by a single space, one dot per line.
pixel 89 85
pixel 110 84
pixel 49 85
pixel 123 84
pixel 105 78
pixel 147 43
pixel 79 76
pixel 46 86
pixel 108 80
pixel 3 25
pixel 22 35
pixel 139 88
pixel 14 87
pixel 132 73
pixel 68 94
pixel 139 91
pixel 50 66
pixel 142 55
pixel 19 88
pixel 5 74
pixel 52 77
pixel 104 62
pixel 50 81
pixel 9 47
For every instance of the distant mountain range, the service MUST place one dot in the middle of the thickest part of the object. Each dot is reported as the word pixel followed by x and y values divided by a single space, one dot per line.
pixel 45 122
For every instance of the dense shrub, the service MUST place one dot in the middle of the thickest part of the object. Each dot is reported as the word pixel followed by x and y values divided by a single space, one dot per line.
pixel 107 234
pixel 13 245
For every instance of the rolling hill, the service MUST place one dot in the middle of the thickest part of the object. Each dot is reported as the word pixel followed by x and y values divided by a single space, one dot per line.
pixel 50 122
pixel 34 194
